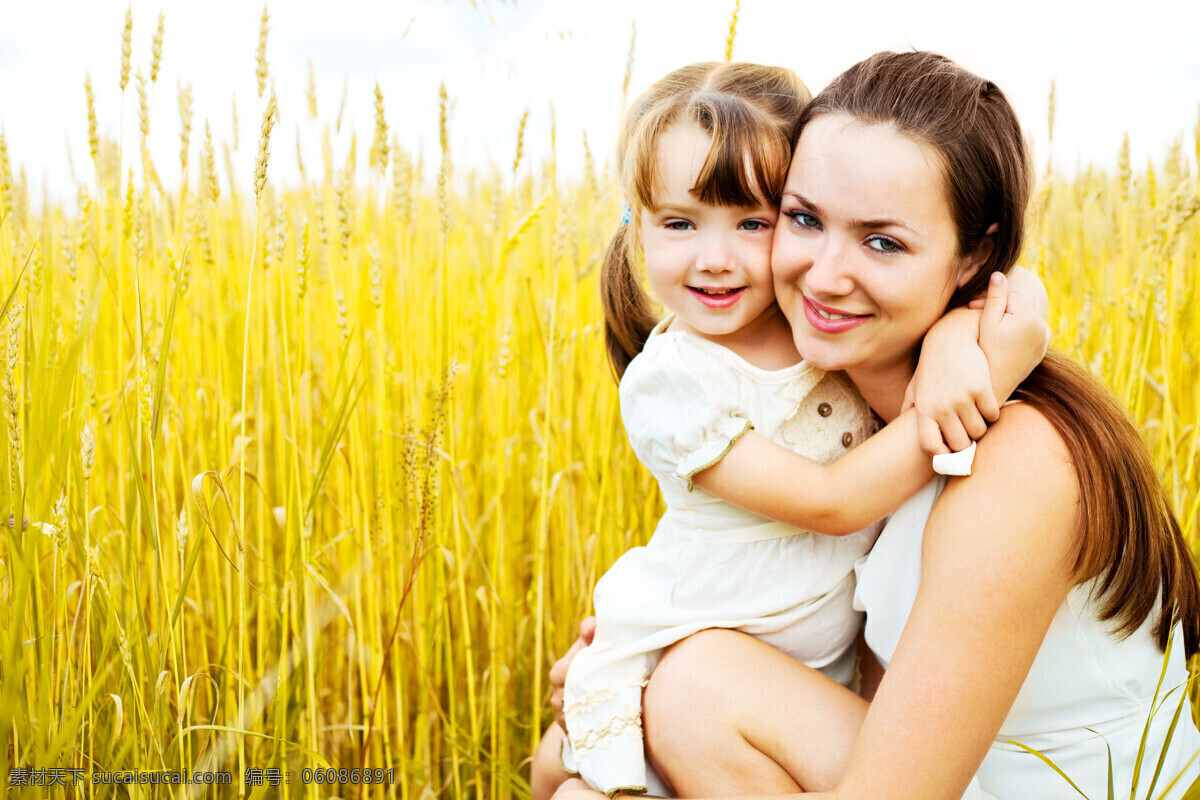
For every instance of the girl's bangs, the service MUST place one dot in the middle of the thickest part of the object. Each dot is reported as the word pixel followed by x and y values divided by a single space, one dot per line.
pixel 747 160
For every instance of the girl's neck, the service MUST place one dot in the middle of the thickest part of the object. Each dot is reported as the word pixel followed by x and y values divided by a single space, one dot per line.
pixel 766 342
pixel 883 389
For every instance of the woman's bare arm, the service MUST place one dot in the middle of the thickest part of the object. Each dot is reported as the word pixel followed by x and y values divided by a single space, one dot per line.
pixel 994 574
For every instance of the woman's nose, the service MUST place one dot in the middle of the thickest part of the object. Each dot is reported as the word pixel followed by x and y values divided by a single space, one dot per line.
pixel 828 273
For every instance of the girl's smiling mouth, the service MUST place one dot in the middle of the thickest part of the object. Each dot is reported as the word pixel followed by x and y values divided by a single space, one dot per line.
pixel 717 296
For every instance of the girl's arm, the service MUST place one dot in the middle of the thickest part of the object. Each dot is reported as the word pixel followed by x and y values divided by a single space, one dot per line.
pixel 952 388
pixel 839 498
pixel 870 481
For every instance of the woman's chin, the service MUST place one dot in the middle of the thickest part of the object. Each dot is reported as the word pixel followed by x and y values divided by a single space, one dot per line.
pixel 823 354
pixel 827 362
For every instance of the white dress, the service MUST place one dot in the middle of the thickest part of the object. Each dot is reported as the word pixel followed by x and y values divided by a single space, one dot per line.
pixel 684 401
pixel 1082 677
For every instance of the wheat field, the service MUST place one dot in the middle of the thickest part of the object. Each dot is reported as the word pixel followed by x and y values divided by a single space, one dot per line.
pixel 318 475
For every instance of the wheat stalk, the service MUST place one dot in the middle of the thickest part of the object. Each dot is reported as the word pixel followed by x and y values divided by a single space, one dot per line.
pixel 260 55
pixel 729 38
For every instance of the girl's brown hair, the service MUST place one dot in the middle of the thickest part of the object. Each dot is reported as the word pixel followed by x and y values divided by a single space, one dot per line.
pixel 1128 535
pixel 749 111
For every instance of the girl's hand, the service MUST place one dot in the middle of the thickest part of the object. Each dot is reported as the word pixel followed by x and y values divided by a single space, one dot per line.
pixel 1025 286
pixel 952 386
pixel 972 361
pixel 1012 335
pixel 576 789
pixel 558 672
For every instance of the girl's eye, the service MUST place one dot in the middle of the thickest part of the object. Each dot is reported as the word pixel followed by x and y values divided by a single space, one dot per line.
pixel 804 219
pixel 754 225
pixel 882 244
pixel 678 225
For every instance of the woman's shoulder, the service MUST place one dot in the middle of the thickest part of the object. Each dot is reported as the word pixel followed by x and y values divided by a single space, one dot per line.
pixel 1025 438
pixel 1023 474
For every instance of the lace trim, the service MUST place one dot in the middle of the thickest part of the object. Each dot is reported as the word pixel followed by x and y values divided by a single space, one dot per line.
pixel 732 441
pixel 624 722
pixel 632 679
pixel 628 722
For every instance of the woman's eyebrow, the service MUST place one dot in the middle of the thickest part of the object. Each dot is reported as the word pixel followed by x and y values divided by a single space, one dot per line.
pixel 884 222
pixel 802 200
pixel 858 224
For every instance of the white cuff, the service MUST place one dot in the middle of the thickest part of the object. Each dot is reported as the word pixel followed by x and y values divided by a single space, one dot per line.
pixel 955 463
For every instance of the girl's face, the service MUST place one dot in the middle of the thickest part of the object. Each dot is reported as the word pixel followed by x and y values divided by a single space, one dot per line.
pixel 711 265
pixel 865 256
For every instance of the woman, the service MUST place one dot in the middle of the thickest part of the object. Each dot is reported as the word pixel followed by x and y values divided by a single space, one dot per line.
pixel 1032 621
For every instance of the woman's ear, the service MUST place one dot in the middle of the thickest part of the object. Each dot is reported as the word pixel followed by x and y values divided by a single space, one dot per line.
pixel 973 262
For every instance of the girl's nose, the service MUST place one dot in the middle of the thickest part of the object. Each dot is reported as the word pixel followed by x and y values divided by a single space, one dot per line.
pixel 715 254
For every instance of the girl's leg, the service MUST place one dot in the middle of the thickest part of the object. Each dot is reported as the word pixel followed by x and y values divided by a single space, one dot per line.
pixel 546 773
pixel 727 714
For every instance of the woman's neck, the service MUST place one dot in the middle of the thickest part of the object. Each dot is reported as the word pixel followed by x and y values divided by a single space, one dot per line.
pixel 883 389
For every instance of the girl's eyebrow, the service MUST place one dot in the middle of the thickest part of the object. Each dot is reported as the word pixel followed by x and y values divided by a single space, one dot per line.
pixel 857 224
pixel 671 208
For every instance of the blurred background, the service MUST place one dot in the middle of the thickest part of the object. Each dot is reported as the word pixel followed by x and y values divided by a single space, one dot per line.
pixel 1116 69
pixel 309 448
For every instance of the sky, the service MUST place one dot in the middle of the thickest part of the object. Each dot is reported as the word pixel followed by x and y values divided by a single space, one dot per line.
pixel 1117 67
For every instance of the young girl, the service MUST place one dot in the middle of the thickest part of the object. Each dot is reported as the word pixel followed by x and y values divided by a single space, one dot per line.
pixel 736 427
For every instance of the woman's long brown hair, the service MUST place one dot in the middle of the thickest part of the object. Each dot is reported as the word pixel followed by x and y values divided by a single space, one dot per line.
pixel 1128 537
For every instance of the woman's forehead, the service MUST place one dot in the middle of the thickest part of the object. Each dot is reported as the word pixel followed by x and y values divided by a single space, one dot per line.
pixel 867 171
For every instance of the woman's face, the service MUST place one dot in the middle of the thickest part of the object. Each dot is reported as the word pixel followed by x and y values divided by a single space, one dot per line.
pixel 865 252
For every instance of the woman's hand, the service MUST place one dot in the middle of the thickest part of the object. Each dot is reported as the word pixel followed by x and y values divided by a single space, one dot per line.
pixel 558 672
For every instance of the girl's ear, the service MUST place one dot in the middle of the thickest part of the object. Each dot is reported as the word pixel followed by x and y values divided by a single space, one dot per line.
pixel 973 262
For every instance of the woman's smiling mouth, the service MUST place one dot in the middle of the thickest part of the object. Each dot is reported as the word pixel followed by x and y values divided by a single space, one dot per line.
pixel 831 320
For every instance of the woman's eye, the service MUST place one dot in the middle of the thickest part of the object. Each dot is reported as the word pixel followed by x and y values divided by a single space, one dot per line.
pixel 882 244
pixel 804 219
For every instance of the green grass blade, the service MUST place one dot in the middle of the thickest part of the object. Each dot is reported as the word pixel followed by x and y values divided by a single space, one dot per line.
pixel 335 430
pixel 184 580
pixel 1137 766
pixel 205 515
pixel 62 739
pixel 1162 756
pixel 1193 793
pixel 160 376
pixel 138 482
pixel 1111 789
pixel 1050 764
pixel 16 285
pixel 317 757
